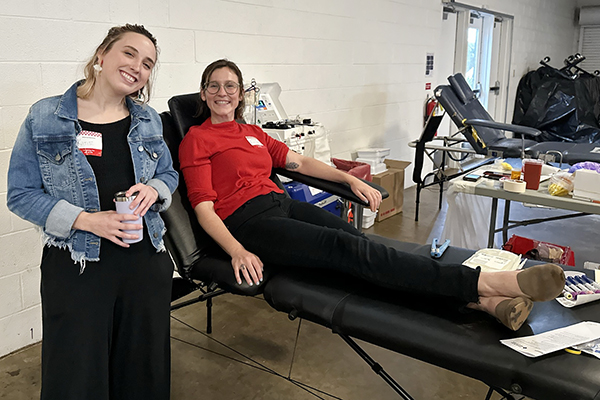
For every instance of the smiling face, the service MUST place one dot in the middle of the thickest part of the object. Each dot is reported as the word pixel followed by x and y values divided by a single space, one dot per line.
pixel 127 65
pixel 222 105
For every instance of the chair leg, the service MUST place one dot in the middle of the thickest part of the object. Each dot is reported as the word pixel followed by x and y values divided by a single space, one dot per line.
pixel 378 369
pixel 417 201
pixel 441 194
pixel 209 315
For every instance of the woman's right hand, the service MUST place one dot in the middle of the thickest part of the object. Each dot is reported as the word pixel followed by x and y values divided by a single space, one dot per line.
pixel 247 264
pixel 108 225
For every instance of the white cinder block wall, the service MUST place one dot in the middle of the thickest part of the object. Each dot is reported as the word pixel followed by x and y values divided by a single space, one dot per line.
pixel 356 66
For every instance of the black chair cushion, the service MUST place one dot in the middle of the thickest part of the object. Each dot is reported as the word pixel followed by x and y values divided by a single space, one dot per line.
pixel 431 329
pixel 184 109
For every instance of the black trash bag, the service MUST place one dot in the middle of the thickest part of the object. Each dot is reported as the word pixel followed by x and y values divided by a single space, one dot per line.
pixel 561 107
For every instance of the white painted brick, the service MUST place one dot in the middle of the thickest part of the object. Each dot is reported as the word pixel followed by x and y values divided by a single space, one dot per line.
pixel 331 8
pixel 154 13
pixel 247 49
pixel 85 37
pixel 3 141
pixel 176 46
pixel 325 52
pixel 10 295
pixel 19 224
pixel 29 40
pixel 4 159
pixel 11 119
pixel 186 14
pixel 90 10
pixel 264 3
pixel 5 216
pixel 176 79
pixel 20 82
pixel 371 53
pixel 20 330
pixel 159 103
pixel 56 9
pixel 30 279
pixel 20 251
pixel 122 12
pixel 58 77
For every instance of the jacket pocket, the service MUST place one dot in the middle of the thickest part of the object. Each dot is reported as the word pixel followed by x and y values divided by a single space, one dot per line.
pixel 153 151
pixel 56 164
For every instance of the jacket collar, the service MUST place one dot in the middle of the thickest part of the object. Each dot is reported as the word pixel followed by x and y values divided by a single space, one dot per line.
pixel 67 105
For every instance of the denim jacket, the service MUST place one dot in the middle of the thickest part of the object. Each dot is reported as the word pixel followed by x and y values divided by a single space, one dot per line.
pixel 50 181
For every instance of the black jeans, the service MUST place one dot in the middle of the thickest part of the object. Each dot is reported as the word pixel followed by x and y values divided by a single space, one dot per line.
pixel 286 232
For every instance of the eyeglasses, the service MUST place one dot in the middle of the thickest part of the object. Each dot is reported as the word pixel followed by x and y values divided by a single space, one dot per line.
pixel 214 87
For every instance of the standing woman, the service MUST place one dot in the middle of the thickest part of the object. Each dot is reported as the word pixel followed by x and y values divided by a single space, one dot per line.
pixel 105 303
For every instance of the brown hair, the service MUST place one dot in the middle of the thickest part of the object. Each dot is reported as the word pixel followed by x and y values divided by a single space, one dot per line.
pixel 203 110
pixel 114 34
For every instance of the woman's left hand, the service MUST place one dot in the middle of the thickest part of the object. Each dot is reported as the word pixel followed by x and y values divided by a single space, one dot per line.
pixel 147 196
pixel 366 193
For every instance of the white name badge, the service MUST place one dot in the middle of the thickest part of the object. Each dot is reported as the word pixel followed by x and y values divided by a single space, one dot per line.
pixel 254 141
pixel 90 143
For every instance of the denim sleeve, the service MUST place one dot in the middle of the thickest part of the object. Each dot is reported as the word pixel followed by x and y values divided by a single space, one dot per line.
pixel 165 180
pixel 26 196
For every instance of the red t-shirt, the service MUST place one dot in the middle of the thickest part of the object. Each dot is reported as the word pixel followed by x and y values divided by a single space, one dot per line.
pixel 229 164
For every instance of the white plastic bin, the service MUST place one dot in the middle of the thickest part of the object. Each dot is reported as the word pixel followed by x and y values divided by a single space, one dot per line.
pixel 376 154
pixel 368 218
pixel 376 167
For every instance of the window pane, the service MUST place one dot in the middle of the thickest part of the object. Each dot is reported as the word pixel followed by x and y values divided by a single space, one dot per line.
pixel 472 56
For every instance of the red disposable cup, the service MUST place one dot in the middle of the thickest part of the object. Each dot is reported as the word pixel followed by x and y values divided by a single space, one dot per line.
pixel 532 172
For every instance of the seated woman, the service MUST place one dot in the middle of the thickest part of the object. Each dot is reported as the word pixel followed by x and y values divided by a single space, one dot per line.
pixel 226 166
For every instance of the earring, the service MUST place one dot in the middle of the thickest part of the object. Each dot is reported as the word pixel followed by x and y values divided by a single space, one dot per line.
pixel 140 96
pixel 97 67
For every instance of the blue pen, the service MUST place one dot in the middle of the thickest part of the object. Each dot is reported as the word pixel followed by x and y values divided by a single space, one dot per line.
pixel 572 289
pixel 590 281
pixel 577 285
pixel 585 284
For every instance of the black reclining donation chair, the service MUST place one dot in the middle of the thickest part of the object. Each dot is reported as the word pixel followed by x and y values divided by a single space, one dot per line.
pixel 484 136
pixel 476 128
pixel 197 256
pixel 487 137
pixel 421 327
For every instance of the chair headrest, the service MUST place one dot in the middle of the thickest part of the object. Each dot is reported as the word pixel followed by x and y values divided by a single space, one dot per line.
pixel 461 88
pixel 183 108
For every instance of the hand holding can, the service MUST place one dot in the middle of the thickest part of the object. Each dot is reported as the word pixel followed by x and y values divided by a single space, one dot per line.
pixel 122 203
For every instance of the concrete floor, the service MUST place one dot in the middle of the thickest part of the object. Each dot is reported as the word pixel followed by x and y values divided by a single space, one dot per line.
pixel 256 352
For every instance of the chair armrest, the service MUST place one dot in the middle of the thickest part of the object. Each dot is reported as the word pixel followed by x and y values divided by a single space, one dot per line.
pixel 339 189
pixel 525 130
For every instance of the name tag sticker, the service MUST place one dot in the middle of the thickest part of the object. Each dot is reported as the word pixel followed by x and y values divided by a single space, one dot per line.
pixel 254 141
pixel 90 143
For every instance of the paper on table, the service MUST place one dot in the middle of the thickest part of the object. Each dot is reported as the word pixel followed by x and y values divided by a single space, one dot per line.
pixel 491 260
pixel 557 339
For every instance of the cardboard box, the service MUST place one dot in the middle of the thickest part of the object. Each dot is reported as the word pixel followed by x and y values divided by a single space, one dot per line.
pixel 391 180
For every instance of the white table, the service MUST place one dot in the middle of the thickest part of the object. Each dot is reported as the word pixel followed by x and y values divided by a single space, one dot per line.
pixel 538 197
